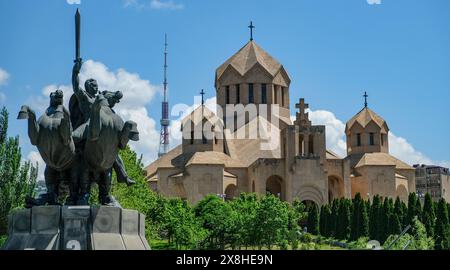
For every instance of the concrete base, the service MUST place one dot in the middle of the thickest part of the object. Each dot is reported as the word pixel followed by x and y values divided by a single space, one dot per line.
pixel 76 228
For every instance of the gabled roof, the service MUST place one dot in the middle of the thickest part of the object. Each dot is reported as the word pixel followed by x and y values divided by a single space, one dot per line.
pixel 247 57
pixel 213 158
pixel 332 155
pixel 382 159
pixel 200 113
pixel 364 117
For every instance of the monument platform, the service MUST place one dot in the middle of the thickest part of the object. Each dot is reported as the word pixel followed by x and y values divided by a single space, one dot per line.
pixel 76 228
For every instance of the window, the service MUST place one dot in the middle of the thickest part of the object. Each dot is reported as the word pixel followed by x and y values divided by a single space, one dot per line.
pixel 238 94
pixel 301 145
pixel 192 137
pixel 250 93
pixel 204 141
pixel 311 144
pixel 282 96
pixel 227 94
pixel 371 139
pixel 264 93
pixel 358 139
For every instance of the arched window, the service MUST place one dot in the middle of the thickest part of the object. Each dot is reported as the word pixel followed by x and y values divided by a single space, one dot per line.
pixel 250 93
pixel 371 138
pixel 263 93
pixel 311 144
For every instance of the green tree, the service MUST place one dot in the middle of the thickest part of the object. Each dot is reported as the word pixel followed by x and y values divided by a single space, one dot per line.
pixel 442 229
pixel 375 218
pixel 359 219
pixel 325 220
pixel 413 208
pixel 421 240
pixel 333 221
pixel 428 215
pixel 343 221
pixel 139 196
pixel 17 179
pixel 216 217
pixel 187 232
pixel 387 227
pixel 245 206
pixel 313 220
pixel 271 221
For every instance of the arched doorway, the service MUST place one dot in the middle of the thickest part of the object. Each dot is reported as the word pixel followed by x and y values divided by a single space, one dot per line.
pixel 274 186
pixel 335 188
pixel 309 203
pixel 230 192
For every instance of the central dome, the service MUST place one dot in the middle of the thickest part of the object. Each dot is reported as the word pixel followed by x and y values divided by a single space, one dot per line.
pixel 247 57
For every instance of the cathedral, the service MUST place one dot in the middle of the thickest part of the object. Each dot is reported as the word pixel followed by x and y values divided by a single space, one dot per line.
pixel 250 144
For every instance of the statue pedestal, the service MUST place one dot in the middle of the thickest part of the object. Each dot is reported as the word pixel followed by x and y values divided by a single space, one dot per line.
pixel 76 228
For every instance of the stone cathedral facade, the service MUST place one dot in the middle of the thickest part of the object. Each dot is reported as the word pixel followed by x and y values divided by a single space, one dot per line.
pixel 287 158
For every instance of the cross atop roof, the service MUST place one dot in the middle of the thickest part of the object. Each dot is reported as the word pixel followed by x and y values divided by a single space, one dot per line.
pixel 203 94
pixel 251 30
pixel 365 99
pixel 302 117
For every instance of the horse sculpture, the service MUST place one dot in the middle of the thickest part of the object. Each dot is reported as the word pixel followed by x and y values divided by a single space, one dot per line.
pixel 105 134
pixel 52 135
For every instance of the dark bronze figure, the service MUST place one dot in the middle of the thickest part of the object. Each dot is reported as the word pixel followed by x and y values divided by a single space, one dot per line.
pixel 52 135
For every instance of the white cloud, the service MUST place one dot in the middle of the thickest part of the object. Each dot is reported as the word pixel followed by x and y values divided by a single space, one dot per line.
pixel 374 2
pixel 403 150
pixel 153 4
pixel 72 2
pixel 35 158
pixel 335 130
pixel 4 76
pixel 160 4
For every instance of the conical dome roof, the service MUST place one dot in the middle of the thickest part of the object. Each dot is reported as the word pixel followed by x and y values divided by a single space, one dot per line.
pixel 364 117
pixel 247 57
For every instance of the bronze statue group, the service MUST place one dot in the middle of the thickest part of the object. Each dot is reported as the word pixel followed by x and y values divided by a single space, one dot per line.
pixel 80 146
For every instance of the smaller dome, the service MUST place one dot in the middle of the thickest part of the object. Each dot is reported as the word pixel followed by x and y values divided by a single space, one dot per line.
pixel 364 117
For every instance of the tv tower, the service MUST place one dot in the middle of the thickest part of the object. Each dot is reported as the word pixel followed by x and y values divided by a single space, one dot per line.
pixel 165 122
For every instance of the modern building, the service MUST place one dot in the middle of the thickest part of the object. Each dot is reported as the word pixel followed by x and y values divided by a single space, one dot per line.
pixel 434 180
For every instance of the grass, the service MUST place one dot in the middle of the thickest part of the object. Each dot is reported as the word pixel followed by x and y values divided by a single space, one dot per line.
pixel 163 244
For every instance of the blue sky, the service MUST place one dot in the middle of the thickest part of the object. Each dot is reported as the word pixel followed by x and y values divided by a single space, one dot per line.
pixel 333 50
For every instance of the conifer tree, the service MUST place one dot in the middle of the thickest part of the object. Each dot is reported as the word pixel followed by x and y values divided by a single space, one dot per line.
pixel 359 220
pixel 385 217
pixel 17 180
pixel 334 217
pixel 403 218
pixel 323 221
pixel 428 215
pixel 343 222
pixel 374 220
pixel 313 220
pixel 442 229
pixel 412 208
